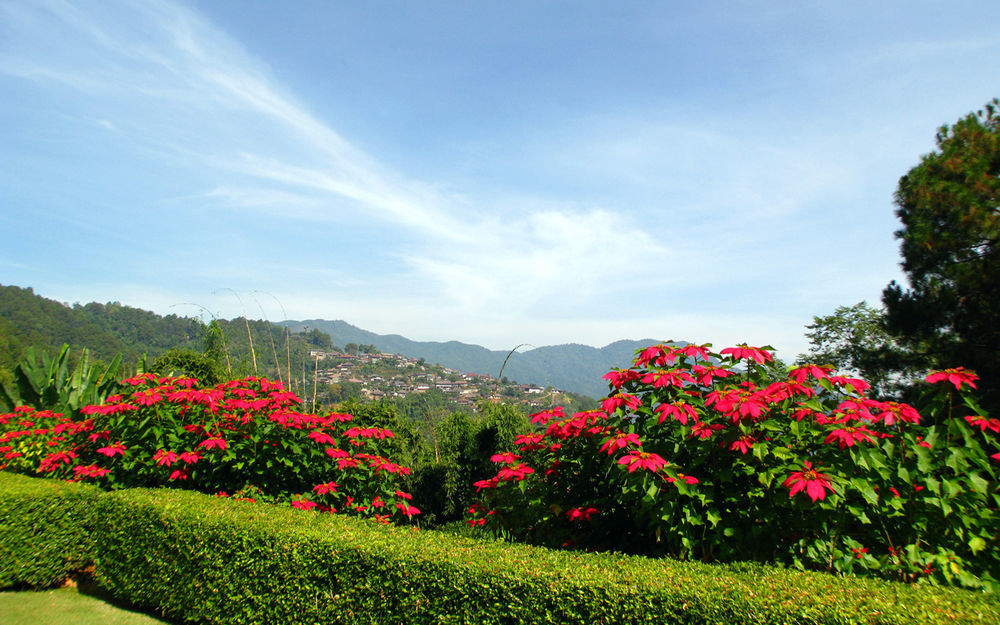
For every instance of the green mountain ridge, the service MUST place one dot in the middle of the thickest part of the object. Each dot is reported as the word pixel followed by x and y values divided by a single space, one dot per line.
pixel 28 319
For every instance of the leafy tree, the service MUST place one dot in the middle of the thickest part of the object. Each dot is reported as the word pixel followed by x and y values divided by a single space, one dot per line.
pixel 949 205
pixel 854 340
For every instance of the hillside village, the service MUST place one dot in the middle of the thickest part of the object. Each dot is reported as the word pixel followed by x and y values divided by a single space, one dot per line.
pixel 373 376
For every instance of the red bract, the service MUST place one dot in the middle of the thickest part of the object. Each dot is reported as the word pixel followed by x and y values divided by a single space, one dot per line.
pixel 687 479
pixel 112 450
pixel 619 377
pixel 328 487
pixel 849 435
pixel 642 460
pixel 678 410
pixel 669 377
pixel 957 376
pixel 322 438
pixel 407 509
pixel 620 441
pixel 744 351
pixel 814 484
pixel 705 430
pixel 581 514
pixel 543 417
pixel 984 423
pixel 743 444
pixel 165 458
pixel 505 457
pixel 618 400
pixel 515 472
pixel 214 442
pixel 799 374
pixel 90 471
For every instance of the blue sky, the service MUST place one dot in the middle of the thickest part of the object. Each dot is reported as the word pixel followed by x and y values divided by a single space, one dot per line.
pixel 495 173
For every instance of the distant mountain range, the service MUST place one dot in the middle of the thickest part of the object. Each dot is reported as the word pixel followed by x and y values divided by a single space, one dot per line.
pixel 28 319
pixel 571 367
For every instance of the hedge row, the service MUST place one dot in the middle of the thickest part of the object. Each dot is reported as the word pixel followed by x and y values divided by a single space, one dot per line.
pixel 45 529
pixel 206 559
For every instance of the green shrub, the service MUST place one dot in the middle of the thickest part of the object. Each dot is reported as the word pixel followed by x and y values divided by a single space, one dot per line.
pixel 216 560
pixel 45 529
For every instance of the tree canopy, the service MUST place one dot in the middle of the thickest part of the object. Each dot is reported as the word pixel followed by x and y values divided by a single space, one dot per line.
pixel 949 206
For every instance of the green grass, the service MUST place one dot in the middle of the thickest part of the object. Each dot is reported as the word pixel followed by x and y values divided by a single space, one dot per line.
pixel 68 606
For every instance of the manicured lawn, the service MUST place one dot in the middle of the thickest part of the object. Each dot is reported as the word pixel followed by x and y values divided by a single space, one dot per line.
pixel 67 606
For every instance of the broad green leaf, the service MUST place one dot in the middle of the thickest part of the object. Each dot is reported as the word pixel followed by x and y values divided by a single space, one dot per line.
pixel 977 544
pixel 865 488
pixel 957 460
pixel 978 483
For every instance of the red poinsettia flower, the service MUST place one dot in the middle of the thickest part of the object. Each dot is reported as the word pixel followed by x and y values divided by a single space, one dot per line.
pixel 678 410
pixel 705 430
pixel 322 438
pixel 214 442
pixel 848 435
pixel 642 460
pixel 302 504
pixel 799 374
pixel 113 450
pixel 328 487
pixel 165 458
pixel 516 472
pixel 743 444
pixel 690 480
pixel 407 509
pixel 649 354
pixel 814 484
pixel 984 423
pixel 618 400
pixel 620 441
pixel 581 514
pixel 957 376
pixel 743 350
pixel 668 377
pixel 90 471
pixel 617 377
pixel 543 417
pixel 189 457
pixel 506 457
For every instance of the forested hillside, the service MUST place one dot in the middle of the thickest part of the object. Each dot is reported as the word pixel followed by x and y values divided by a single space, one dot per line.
pixel 27 319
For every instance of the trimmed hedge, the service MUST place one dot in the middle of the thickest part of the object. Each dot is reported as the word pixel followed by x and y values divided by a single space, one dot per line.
pixel 207 559
pixel 214 560
pixel 45 530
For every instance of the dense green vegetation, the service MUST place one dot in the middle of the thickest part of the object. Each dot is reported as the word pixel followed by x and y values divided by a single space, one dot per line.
pixel 206 559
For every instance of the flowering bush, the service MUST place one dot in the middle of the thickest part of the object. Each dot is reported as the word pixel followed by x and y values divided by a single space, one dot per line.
pixel 710 456
pixel 243 438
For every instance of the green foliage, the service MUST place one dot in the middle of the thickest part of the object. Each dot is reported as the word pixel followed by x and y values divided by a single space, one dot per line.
pixel 224 562
pixel 462 445
pixel 49 383
pixel 854 341
pixel 106 329
pixel 705 455
pixel 46 530
pixel 949 206
pixel 188 363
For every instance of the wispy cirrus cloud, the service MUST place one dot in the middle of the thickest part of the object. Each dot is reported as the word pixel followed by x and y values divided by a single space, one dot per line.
pixel 171 83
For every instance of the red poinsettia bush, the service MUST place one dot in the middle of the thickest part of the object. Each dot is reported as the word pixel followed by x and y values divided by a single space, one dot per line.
pixel 716 457
pixel 243 438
